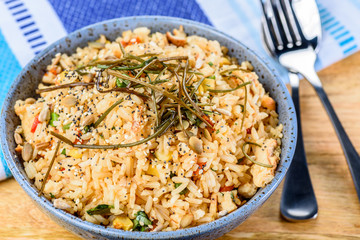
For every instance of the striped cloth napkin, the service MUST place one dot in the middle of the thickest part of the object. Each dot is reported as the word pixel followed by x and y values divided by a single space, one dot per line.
pixel 28 26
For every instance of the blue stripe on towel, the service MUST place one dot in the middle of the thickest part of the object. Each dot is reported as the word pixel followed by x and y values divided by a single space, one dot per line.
pixel 78 13
pixel 9 69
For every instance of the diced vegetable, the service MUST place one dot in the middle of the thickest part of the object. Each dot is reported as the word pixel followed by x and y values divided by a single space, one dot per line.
pixel 152 170
pixel 35 124
pixel 224 61
pixel 141 222
pixel 75 153
pixel 163 155
pixel 101 209
pixel 201 167
pixel 210 64
pixel 53 117
pixel 123 222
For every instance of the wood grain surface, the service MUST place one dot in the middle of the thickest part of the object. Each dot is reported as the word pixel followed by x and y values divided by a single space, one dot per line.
pixel 339 207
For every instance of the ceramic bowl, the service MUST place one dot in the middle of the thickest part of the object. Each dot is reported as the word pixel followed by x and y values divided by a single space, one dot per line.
pixel 25 84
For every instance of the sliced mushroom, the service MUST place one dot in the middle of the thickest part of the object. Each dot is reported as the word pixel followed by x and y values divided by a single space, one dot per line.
pixel 196 144
pixel 69 101
pixel 18 138
pixel 27 152
pixel 44 115
pixel 30 101
pixel 88 120
pixel 207 135
pixel 178 37
pixel 185 123
pixel 19 129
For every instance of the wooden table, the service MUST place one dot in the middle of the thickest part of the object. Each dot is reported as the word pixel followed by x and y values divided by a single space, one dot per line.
pixel 339 207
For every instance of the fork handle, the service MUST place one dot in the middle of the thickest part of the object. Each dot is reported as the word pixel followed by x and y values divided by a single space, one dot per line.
pixel 351 155
pixel 298 201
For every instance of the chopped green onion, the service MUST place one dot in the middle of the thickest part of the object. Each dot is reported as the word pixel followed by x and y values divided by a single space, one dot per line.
pixel 66 126
pixel 63 152
pixel 53 117
pixel 86 128
pixel 210 64
pixel 122 83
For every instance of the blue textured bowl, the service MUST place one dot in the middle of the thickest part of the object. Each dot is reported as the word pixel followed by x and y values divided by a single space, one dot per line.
pixel 25 84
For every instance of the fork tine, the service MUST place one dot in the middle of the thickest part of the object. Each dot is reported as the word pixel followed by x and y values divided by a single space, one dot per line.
pixel 271 28
pixel 284 24
pixel 274 23
pixel 270 41
pixel 292 21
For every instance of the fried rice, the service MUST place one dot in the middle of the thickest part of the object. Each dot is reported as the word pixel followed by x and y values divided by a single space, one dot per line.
pixel 163 184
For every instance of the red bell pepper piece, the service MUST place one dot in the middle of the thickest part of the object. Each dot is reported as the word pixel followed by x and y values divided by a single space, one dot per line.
pixel 35 124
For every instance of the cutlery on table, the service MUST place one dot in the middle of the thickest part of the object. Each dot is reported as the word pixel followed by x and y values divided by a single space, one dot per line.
pixel 292 31
pixel 298 200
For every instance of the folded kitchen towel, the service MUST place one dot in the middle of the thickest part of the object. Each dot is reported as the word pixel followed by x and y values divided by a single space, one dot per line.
pixel 28 26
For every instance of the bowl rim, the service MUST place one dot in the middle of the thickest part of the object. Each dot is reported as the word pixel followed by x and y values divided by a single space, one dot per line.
pixel 250 205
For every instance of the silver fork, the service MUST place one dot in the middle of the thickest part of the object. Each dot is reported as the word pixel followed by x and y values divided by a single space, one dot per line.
pixel 298 201
pixel 293 42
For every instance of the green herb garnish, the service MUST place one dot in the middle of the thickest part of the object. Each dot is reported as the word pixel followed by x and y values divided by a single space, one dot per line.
pixel 252 160
pixel 122 83
pixel 101 209
pixel 63 152
pixel 172 174
pixel 49 168
pixel 51 195
pixel 86 128
pixel 141 222
pixel 103 116
pixel 210 64
pixel 228 90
